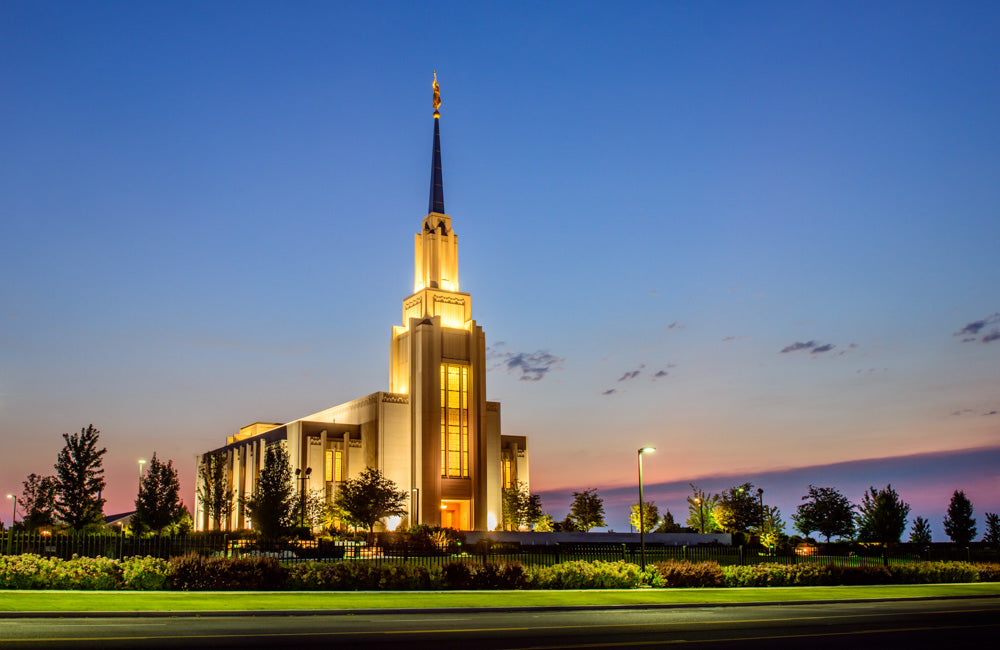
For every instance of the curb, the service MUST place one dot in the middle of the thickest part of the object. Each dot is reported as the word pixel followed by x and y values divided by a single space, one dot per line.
pixel 465 610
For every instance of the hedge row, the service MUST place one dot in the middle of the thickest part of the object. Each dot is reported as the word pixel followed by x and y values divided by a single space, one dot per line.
pixel 195 573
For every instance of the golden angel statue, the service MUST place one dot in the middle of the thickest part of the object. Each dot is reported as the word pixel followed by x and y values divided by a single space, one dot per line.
pixel 437 95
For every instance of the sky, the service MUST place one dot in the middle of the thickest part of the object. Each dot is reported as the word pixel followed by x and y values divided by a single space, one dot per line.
pixel 761 237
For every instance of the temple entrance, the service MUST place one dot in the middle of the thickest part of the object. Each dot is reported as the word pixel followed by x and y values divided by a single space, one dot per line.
pixel 455 514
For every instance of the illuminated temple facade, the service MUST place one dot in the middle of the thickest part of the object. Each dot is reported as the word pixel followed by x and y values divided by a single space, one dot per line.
pixel 433 433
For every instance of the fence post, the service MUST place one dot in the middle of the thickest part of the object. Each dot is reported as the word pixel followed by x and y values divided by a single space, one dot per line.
pixel 742 561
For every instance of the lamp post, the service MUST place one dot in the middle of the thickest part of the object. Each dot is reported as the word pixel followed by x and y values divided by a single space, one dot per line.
pixel 10 532
pixel 142 461
pixel 303 477
pixel 701 516
pixel 642 528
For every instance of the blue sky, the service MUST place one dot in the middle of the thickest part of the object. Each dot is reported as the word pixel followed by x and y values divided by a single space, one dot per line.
pixel 208 209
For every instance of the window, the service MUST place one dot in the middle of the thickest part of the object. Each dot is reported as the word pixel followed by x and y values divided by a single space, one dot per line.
pixel 454 420
pixel 505 472
pixel 334 465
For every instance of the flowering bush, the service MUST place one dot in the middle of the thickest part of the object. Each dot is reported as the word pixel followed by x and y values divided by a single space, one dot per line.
pixel 145 573
pixel 361 576
pixel 593 575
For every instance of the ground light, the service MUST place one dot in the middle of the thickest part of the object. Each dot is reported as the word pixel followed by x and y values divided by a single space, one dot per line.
pixel 642 528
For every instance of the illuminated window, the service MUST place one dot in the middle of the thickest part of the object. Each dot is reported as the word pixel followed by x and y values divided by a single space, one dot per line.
pixel 334 465
pixel 505 471
pixel 454 420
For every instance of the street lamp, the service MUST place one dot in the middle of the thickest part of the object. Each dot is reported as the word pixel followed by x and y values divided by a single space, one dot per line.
pixel 701 515
pixel 142 461
pixel 303 477
pixel 642 529
pixel 10 533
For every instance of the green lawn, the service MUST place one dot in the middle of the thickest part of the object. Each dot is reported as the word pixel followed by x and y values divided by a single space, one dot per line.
pixel 67 601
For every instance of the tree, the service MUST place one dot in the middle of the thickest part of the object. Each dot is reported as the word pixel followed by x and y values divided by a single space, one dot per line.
pixel 650 516
pixel 369 499
pixel 587 510
pixel 701 507
pixel 158 505
pixel 80 479
pixel 214 492
pixel 533 511
pixel 826 511
pixel 544 524
pixel 992 534
pixel 271 506
pixel 921 532
pixel 738 509
pixel 881 516
pixel 772 528
pixel 519 507
pixel 38 501
pixel 668 525
pixel 959 524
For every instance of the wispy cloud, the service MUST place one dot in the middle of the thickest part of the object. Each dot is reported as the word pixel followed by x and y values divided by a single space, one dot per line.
pixel 632 374
pixel 676 325
pixel 971 331
pixel 978 412
pixel 659 374
pixel 610 391
pixel 812 346
pixel 527 366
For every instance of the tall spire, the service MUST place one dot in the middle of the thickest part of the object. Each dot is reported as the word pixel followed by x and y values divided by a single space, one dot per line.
pixel 436 203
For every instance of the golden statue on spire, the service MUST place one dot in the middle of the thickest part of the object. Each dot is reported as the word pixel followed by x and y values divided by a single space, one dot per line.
pixel 437 96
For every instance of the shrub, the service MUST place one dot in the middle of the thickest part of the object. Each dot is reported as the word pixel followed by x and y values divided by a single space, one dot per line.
pixel 591 575
pixel 145 573
pixel 360 576
pixel 988 571
pixel 459 575
pixel 689 574
pixel 196 573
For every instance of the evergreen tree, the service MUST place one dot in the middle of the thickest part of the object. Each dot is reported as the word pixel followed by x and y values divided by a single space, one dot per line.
pixel 668 525
pixel 959 524
pixel 214 491
pixel 921 532
pixel 701 510
pixel 158 505
pixel 369 499
pixel 544 524
pixel 533 511
pixel 38 501
pixel 271 507
pixel 826 511
pixel 519 507
pixel 992 534
pixel 80 479
pixel 772 528
pixel 650 516
pixel 587 510
pixel 881 516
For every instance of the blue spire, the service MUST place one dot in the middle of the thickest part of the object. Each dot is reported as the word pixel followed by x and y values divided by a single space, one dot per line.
pixel 436 203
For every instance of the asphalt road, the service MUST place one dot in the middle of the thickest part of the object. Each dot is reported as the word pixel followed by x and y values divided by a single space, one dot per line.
pixel 913 624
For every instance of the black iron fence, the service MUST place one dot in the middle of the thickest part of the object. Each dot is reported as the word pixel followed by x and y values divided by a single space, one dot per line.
pixel 388 550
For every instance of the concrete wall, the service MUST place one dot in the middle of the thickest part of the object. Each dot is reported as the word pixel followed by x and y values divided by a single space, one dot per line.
pixel 529 538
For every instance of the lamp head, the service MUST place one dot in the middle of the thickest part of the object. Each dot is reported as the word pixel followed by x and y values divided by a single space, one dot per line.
pixel 647 450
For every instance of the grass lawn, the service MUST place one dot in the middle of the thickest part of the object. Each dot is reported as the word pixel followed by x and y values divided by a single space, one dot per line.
pixel 68 601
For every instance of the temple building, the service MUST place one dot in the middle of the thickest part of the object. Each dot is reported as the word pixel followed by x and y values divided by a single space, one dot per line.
pixel 433 432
